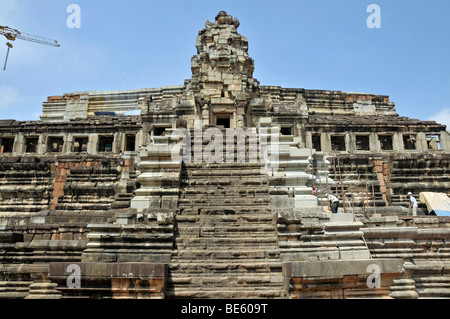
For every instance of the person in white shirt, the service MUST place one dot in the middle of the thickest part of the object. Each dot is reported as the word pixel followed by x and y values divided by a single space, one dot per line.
pixel 413 204
pixel 334 203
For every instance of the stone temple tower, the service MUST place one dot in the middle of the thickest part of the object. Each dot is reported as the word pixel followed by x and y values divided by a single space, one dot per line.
pixel 222 73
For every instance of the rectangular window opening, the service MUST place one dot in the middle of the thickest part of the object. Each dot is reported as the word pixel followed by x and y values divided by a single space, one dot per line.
pixel 286 130
pixel 433 142
pixel 80 144
pixel 338 143
pixel 130 143
pixel 7 145
pixel 105 144
pixel 409 142
pixel 31 144
pixel 55 144
pixel 386 142
pixel 362 143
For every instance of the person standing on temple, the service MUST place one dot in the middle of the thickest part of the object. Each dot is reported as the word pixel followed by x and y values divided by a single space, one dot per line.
pixel 334 203
pixel 413 204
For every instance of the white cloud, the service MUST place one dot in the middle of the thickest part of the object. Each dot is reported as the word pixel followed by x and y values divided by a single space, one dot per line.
pixel 442 117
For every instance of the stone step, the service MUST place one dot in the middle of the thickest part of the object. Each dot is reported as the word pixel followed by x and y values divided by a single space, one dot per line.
pixel 226 279
pixel 220 219
pixel 223 181
pixel 98 207
pixel 233 166
pixel 23 207
pixel 345 235
pixel 14 285
pixel 229 201
pixel 14 289
pixel 225 243
pixel 66 199
pixel 306 245
pixel 141 247
pixel 224 210
pixel 259 230
pixel 226 191
pixel 230 254
pixel 342 218
pixel 226 266
pixel 214 293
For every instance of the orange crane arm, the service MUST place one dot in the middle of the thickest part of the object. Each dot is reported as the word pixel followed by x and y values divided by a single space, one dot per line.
pixel 13 34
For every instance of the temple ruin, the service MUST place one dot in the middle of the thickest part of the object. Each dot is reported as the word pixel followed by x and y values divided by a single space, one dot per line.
pixel 95 204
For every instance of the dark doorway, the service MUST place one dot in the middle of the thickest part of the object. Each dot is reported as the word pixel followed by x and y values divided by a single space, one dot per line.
pixel 223 121
pixel 130 143
pixel 159 131
pixel 316 144
pixel 287 130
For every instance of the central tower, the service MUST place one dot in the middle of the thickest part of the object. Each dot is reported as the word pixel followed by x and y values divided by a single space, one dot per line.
pixel 222 73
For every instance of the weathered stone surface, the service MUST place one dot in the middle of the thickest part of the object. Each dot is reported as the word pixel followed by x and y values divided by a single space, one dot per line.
pixel 90 185
pixel 114 280
pixel 341 279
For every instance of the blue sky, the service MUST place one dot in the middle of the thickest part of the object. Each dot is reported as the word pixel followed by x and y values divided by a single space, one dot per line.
pixel 322 44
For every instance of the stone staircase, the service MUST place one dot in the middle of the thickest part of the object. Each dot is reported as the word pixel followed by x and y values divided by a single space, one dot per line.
pixel 312 234
pixel 427 174
pixel 347 234
pixel 226 241
pixel 89 188
pixel 25 185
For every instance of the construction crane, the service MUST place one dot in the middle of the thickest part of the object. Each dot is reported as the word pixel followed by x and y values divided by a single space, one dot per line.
pixel 13 34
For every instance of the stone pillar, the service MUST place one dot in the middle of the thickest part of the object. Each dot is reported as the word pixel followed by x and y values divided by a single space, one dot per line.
pixel 351 142
pixel 348 142
pixel 19 144
pixel 205 114
pixel 142 139
pixel 397 142
pixel 374 142
pixel 445 141
pixel 42 144
pixel 421 142
pixel 325 141
pixel 308 139
pixel 92 144
pixel 117 146
pixel 68 143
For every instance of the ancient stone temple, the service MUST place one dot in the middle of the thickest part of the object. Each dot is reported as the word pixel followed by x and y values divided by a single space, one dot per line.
pixel 209 191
